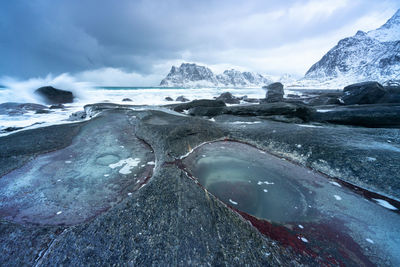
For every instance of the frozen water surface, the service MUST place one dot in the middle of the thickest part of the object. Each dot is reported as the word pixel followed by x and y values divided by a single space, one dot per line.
pixel 281 193
pixel 78 182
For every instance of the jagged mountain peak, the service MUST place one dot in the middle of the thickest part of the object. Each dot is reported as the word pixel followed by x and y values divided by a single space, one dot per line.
pixel 388 32
pixel 365 56
pixel 193 75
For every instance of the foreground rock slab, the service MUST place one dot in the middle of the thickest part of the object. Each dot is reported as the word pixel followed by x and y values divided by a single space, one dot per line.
pixel 172 220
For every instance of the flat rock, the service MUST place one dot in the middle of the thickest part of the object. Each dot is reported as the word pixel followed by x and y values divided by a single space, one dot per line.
pixel 199 103
pixel 376 116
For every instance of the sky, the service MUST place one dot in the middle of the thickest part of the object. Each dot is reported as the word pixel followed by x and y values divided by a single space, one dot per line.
pixel 135 42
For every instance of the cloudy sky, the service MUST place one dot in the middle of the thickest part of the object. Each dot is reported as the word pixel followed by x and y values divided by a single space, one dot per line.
pixel 135 42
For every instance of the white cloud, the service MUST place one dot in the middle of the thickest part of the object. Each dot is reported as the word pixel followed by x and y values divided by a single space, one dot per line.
pixel 117 77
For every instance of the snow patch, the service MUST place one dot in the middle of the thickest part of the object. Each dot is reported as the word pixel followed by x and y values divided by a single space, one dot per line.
pixel 126 164
pixel 233 202
pixel 369 240
pixel 385 204
pixel 245 122
pixel 265 182
pixel 337 197
pixel 335 183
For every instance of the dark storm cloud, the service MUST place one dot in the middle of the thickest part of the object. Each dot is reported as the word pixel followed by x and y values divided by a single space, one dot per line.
pixel 43 36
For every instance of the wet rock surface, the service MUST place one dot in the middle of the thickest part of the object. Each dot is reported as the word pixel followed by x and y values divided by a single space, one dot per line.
pixel 12 108
pixel 376 116
pixel 269 188
pixel 74 184
pixel 174 221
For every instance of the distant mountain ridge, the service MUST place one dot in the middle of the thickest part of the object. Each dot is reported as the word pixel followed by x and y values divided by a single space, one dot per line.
pixel 193 75
pixel 365 56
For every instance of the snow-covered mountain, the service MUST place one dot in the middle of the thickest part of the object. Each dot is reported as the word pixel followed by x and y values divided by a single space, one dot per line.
pixel 193 75
pixel 366 56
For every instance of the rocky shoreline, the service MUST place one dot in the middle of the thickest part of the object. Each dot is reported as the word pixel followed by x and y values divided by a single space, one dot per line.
pixel 170 219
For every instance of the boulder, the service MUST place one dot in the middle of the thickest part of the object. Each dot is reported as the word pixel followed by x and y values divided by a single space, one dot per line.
pixel 199 103
pixel 228 98
pixel 127 100
pixel 51 95
pixel 168 98
pixel 362 93
pixel 182 99
pixel 274 92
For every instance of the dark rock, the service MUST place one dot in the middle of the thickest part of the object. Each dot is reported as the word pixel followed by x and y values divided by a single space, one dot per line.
pixel 323 100
pixel 392 95
pixel 12 108
pixel 207 111
pixel 199 103
pixel 57 106
pixel 228 98
pixel 274 92
pixel 293 96
pixel 168 98
pixel 251 100
pixel 11 129
pixel 127 100
pixel 281 118
pixel 43 111
pixel 375 116
pixel 52 95
pixel 362 93
pixel 182 99
pixel 279 108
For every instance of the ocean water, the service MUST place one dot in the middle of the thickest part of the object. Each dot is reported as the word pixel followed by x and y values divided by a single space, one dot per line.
pixel 150 96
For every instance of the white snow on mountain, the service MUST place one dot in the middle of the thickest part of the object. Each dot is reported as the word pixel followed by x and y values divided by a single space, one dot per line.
pixel 366 56
pixel 193 75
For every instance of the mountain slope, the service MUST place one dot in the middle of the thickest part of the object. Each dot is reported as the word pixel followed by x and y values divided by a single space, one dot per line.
pixel 366 56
